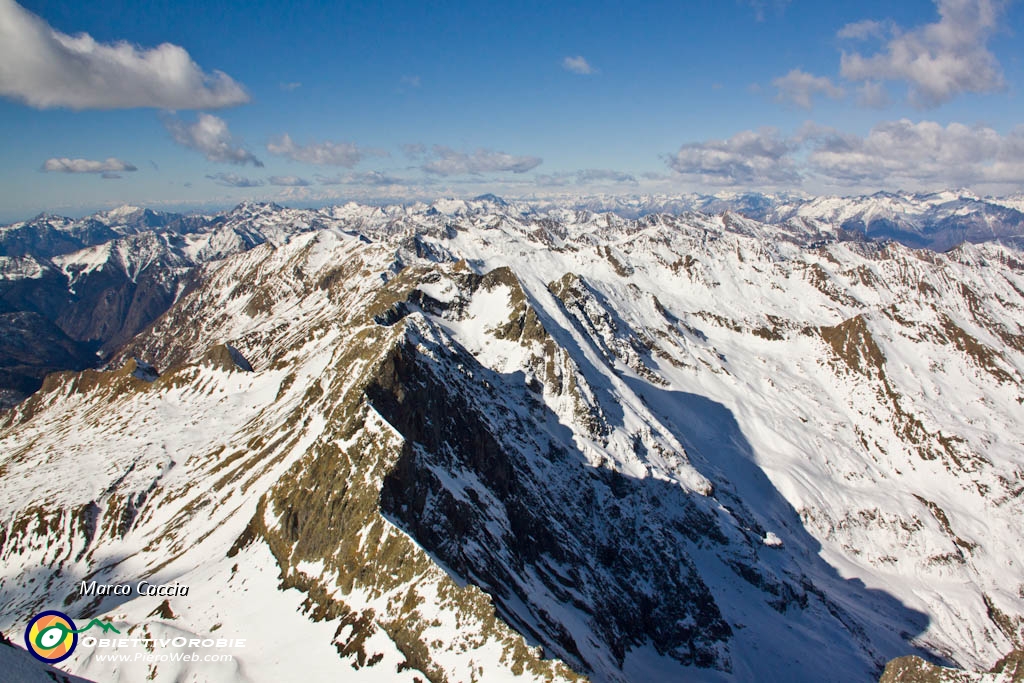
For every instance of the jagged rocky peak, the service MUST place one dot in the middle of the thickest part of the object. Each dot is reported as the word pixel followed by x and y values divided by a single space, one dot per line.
pixel 490 199
pixel 251 207
pixel 226 357
pixel 140 369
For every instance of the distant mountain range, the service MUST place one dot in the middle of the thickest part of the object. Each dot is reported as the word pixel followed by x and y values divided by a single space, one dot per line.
pixel 937 221
pixel 86 286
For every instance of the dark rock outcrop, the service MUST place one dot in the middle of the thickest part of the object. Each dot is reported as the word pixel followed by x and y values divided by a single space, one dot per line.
pixel 1009 669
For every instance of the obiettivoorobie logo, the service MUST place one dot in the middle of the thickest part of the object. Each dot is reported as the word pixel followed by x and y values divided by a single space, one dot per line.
pixel 51 636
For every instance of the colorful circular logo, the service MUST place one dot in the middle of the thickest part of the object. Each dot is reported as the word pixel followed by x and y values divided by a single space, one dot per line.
pixel 51 637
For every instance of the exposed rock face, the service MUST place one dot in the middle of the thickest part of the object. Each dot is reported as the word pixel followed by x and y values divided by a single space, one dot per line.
pixel 227 357
pixel 1009 669
pixel 472 445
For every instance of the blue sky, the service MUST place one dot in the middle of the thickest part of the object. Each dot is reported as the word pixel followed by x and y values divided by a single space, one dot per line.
pixel 196 104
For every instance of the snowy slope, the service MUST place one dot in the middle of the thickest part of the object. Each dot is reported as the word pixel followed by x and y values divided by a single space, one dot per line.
pixel 18 665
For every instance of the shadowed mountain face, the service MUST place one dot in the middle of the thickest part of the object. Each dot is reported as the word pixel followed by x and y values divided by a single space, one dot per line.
pixel 32 347
pixel 18 665
pixel 447 443
pixel 590 540
pixel 96 304
pixel 99 281
pixel 622 557
pixel 47 236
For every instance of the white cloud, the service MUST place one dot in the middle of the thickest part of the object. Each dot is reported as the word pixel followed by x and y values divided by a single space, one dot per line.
pixel 290 85
pixel 921 155
pixel 937 61
pixel 65 165
pixel 865 30
pixel 578 65
pixel 593 175
pixel 414 150
pixel 748 158
pixel 761 6
pixel 903 153
pixel 234 180
pixel 377 178
pixel 372 178
pixel 210 135
pixel 585 177
pixel 288 181
pixel 872 94
pixel 446 161
pixel 799 87
pixel 344 154
pixel 45 68
pixel 560 179
pixel 411 81
pixel 299 193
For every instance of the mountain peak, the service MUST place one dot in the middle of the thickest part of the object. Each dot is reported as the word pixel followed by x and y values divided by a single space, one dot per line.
pixel 123 210
pixel 491 198
pixel 253 206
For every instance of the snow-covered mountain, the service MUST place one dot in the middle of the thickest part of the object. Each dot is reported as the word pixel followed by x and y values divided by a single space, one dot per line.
pixel 102 279
pixel 477 440
pixel 938 221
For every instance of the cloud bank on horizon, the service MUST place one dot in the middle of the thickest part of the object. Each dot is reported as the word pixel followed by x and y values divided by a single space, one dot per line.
pixel 65 165
pixel 897 99
pixel 892 154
